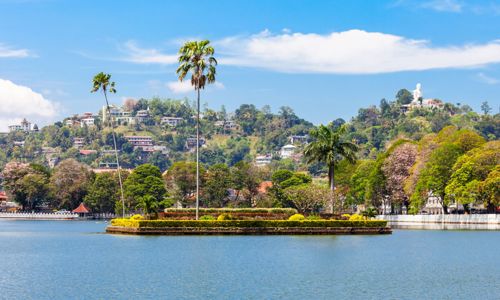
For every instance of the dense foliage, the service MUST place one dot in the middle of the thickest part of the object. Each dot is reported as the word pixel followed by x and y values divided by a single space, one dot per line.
pixel 385 157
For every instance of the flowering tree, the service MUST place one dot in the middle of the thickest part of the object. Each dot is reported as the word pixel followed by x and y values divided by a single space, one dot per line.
pixel 396 169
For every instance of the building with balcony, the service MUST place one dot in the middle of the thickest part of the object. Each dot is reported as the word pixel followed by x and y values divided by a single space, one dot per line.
pixel 171 121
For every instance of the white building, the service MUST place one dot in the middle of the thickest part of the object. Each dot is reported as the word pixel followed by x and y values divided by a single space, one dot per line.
pixel 78 142
pixel 287 151
pixel 23 126
pixel 227 125
pixel 116 113
pixel 171 121
pixel 142 115
pixel 89 122
pixel 299 139
pixel 145 143
pixel 263 160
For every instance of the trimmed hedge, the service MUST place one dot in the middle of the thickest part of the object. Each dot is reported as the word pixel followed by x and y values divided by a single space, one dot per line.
pixel 290 211
pixel 246 223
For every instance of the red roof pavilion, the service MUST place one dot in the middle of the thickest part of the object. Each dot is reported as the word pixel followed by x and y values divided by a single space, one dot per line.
pixel 81 209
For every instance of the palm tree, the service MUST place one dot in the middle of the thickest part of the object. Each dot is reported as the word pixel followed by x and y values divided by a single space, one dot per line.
pixel 197 58
pixel 328 146
pixel 102 82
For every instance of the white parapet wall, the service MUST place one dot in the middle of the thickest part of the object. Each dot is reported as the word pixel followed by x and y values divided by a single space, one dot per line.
pixel 39 216
pixel 443 219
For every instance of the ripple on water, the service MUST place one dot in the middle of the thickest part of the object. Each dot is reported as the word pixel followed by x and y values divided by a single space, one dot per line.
pixel 68 260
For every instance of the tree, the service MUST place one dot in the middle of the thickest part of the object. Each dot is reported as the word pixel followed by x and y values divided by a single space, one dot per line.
pixel 308 198
pixel 26 184
pixel 473 174
pixel 328 146
pixel 396 168
pixel 217 184
pixel 102 82
pixel 359 182
pixel 69 183
pixel 103 193
pixel 181 180
pixel 485 107
pixel 147 203
pixel 404 96
pixel 36 188
pixel 437 172
pixel 197 58
pixel 284 179
pixel 144 184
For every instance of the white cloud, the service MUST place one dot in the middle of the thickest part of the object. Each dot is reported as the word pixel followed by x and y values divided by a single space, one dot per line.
pixel 487 79
pixel 443 5
pixel 6 51
pixel 147 56
pixel 349 52
pixel 19 102
pixel 346 52
pixel 178 87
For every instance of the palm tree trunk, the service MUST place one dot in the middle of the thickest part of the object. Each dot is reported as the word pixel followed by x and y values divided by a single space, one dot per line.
pixel 198 154
pixel 331 175
pixel 116 153
pixel 331 180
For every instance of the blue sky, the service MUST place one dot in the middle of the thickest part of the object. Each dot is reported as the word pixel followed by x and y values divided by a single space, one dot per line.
pixel 325 59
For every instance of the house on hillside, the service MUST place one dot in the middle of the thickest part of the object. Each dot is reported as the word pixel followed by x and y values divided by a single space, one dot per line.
pixel 191 143
pixel 263 160
pixel 171 121
pixel 226 125
pixel 299 139
pixel 287 151
pixel 142 142
pixel 25 126
pixel 142 115
pixel 78 142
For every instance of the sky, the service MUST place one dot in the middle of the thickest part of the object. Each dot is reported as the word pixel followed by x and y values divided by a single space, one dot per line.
pixel 324 59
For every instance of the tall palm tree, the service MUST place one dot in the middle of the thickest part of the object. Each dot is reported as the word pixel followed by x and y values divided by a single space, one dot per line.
pixel 196 57
pixel 102 82
pixel 328 146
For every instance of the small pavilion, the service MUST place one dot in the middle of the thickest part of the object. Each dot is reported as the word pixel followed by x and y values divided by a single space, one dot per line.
pixel 81 210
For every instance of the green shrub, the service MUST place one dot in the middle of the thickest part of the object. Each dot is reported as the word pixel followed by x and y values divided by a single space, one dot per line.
pixel 289 211
pixel 247 223
pixel 125 222
pixel 313 217
pixel 225 217
pixel 296 217
pixel 207 218
pixel 356 217
pixel 137 217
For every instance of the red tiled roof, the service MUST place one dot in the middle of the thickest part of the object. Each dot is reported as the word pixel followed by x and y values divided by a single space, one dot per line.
pixel 87 152
pixel 264 186
pixel 81 209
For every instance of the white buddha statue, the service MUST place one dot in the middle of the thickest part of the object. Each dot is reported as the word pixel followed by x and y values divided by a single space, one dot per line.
pixel 417 94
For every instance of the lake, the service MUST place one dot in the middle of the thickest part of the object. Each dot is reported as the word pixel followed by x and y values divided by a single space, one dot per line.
pixel 76 260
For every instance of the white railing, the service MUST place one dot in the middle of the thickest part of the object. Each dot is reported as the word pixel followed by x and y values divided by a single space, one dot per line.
pixel 38 216
pixel 449 218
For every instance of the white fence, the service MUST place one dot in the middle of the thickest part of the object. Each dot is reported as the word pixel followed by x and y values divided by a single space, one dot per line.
pixel 446 219
pixel 39 216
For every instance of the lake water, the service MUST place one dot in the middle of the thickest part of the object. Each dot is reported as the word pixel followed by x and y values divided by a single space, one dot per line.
pixel 76 260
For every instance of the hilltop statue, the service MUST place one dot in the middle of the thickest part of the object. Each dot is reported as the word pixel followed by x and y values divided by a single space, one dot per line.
pixel 417 93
